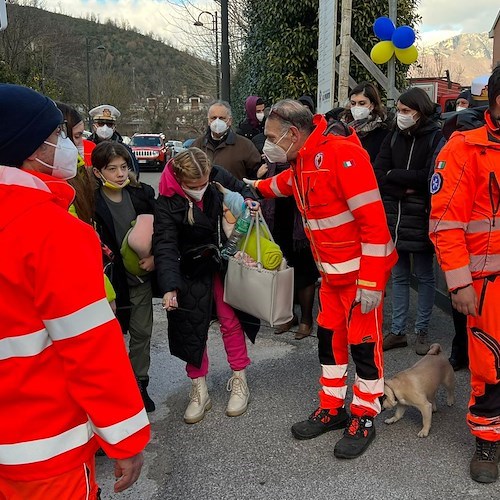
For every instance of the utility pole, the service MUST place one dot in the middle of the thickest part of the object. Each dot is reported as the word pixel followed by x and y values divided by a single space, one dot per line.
pixel 87 47
pixel 225 68
pixel 391 66
pixel 217 64
pixel 215 29
pixel 345 52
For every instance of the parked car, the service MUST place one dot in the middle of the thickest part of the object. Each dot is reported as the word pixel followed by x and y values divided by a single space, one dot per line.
pixel 150 150
pixel 188 143
pixel 175 147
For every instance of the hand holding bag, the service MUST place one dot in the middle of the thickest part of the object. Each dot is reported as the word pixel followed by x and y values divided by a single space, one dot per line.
pixel 267 295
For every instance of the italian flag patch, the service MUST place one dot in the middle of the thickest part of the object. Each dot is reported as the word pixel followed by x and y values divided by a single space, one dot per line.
pixel 348 164
pixel 441 165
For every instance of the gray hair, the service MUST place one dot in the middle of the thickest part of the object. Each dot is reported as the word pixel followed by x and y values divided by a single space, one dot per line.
pixel 292 113
pixel 220 102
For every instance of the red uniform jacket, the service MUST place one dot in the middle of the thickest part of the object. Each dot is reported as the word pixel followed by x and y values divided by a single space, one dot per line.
pixel 67 385
pixel 336 192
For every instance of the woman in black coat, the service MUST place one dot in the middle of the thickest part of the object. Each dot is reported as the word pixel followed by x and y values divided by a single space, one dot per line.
pixel 187 237
pixel 402 170
pixel 367 116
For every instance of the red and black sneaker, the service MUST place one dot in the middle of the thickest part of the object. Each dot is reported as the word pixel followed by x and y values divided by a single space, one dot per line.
pixel 358 435
pixel 320 421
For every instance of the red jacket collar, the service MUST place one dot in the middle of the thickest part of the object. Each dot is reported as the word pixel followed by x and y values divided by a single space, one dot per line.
pixel 64 194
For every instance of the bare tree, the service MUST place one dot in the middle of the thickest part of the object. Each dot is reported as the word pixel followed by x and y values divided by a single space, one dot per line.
pixel 183 15
pixel 438 62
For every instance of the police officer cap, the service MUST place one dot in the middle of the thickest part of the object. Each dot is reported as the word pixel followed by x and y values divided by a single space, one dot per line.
pixel 104 112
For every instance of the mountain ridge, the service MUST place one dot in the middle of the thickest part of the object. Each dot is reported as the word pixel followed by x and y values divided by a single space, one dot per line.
pixel 466 56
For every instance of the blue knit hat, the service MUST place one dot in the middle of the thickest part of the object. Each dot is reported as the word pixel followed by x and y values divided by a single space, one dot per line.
pixel 28 118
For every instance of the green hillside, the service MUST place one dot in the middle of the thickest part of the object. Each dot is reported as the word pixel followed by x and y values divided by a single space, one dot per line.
pixel 47 51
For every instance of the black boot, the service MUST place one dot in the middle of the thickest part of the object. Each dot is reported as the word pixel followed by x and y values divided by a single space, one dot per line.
pixel 358 435
pixel 148 402
pixel 484 463
pixel 319 422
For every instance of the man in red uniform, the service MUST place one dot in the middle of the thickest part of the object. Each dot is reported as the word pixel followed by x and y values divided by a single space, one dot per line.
pixel 465 190
pixel 67 385
pixel 336 192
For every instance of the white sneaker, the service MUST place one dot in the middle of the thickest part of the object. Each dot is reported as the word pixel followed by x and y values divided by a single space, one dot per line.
pixel 199 401
pixel 238 401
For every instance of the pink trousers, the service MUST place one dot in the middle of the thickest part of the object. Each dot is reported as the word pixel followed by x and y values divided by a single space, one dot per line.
pixel 232 336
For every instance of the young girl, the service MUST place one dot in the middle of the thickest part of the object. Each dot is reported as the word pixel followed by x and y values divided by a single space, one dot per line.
pixel 188 223
pixel 118 202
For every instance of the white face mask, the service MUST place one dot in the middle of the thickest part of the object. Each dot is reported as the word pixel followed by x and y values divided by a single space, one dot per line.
pixel 65 158
pixel 104 132
pixel 274 153
pixel 405 121
pixel 195 194
pixel 360 112
pixel 259 116
pixel 459 108
pixel 218 126
pixel 81 151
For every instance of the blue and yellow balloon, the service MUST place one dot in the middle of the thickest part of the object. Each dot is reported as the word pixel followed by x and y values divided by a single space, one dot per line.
pixel 398 41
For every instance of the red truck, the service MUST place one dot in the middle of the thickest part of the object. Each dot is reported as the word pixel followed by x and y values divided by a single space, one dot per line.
pixel 150 150
pixel 440 90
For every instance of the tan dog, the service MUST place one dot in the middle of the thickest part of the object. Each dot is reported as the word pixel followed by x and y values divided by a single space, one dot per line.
pixel 417 386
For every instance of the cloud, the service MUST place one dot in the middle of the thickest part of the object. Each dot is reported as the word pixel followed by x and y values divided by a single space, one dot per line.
pixel 168 19
pixel 475 16
pixel 432 37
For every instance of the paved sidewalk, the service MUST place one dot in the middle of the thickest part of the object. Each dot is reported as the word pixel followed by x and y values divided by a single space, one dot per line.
pixel 255 456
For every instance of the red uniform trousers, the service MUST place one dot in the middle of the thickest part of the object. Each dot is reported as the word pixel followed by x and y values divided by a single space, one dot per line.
pixel 484 360
pixel 76 484
pixel 342 325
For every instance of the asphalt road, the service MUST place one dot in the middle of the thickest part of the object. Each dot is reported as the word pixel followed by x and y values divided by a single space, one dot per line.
pixel 255 456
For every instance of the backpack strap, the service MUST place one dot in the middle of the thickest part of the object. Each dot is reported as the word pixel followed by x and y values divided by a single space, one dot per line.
pixel 393 138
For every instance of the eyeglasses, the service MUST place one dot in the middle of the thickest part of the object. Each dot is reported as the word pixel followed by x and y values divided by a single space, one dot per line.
pixel 274 111
pixel 62 130
pixel 101 123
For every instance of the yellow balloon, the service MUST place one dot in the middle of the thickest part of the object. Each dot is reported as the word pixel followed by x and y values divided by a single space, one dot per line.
pixel 382 52
pixel 407 56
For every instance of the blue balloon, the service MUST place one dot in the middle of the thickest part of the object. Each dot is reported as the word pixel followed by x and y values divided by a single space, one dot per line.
pixel 403 37
pixel 383 28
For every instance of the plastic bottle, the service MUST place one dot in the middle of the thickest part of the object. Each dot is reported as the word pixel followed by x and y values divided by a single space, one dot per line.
pixel 239 231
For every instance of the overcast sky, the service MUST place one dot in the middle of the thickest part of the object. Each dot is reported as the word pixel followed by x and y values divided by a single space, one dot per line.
pixel 444 18
pixel 440 18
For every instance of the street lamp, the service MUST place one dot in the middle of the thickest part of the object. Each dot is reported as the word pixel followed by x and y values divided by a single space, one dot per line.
pixel 88 50
pixel 215 29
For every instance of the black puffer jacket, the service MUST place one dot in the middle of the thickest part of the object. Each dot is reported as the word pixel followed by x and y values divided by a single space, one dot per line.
pixel 143 199
pixel 402 169
pixel 173 237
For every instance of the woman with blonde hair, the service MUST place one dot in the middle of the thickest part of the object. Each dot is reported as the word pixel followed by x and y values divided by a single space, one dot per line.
pixel 188 235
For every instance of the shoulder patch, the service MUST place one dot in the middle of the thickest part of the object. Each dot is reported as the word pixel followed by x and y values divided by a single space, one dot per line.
pixel 348 164
pixel 436 183
pixel 318 160
pixel 441 165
